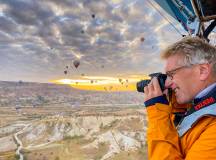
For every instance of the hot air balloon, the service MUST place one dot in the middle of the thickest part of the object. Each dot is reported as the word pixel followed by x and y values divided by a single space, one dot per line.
pixel 142 39
pixel 76 63
pixel 65 72
pixel 20 82
pixel 93 16
pixel 110 87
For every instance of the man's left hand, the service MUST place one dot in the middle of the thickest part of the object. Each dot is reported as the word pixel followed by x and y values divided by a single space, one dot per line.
pixel 152 90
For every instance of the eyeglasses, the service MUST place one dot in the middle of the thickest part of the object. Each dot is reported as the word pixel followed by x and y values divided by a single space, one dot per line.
pixel 170 74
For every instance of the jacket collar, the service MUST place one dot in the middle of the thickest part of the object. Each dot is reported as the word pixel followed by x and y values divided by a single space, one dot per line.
pixel 199 103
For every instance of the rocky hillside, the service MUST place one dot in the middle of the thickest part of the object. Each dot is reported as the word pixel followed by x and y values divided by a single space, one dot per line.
pixel 120 133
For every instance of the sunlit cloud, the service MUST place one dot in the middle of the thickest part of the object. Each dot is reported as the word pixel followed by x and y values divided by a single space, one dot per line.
pixel 102 83
pixel 56 9
pixel 116 1
pixel 77 54
pixel 57 33
pixel 3 7
pixel 71 81
pixel 40 38
pixel 161 25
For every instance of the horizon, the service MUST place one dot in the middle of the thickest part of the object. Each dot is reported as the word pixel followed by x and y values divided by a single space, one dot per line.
pixel 96 83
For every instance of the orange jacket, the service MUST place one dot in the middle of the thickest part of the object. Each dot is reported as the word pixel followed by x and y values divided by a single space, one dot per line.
pixel 164 142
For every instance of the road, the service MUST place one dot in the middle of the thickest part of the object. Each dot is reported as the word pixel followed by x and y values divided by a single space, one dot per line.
pixel 19 142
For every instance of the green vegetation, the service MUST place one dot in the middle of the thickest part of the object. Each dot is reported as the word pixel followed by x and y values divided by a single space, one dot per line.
pixel 75 137
pixel 57 158
pixel 97 153
pixel 130 155
pixel 17 157
pixel 103 148
pixel 25 151
pixel 109 126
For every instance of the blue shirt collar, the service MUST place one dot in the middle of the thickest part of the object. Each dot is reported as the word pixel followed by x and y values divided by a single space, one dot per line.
pixel 205 91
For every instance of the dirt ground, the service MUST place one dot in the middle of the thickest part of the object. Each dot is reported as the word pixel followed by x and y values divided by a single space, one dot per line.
pixel 67 149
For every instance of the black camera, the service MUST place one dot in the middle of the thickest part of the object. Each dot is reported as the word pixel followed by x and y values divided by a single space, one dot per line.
pixel 161 79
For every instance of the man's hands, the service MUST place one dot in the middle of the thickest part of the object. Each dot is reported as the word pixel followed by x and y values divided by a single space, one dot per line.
pixel 152 90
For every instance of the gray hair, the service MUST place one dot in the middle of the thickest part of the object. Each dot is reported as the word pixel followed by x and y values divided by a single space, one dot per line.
pixel 194 50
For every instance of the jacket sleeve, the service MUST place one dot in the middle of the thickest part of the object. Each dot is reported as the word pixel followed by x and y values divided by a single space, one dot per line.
pixel 162 137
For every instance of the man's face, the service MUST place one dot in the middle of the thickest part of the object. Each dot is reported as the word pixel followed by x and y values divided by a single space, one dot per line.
pixel 183 80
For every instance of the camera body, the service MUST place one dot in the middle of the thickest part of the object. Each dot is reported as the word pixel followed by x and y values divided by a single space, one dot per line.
pixel 161 79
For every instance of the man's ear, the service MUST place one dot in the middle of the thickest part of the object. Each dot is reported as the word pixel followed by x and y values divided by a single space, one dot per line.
pixel 205 70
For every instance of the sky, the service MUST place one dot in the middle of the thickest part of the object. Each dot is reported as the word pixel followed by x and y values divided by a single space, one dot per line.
pixel 40 40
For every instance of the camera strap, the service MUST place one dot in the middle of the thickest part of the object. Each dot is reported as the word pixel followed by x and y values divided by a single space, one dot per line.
pixel 205 106
pixel 201 103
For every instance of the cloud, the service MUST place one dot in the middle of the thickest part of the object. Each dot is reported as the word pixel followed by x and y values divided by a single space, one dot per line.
pixel 39 38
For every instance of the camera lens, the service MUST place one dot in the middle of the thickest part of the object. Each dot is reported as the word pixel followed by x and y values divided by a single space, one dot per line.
pixel 161 79
pixel 142 84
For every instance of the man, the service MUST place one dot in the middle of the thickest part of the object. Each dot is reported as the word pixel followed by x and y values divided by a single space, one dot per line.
pixel 191 74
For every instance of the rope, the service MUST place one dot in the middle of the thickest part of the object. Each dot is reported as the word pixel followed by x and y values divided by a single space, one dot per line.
pixel 165 18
